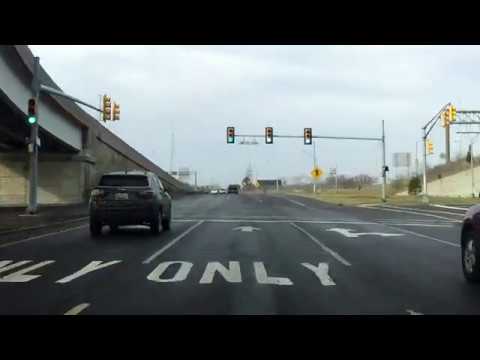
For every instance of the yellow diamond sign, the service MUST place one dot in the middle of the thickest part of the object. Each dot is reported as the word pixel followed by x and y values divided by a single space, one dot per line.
pixel 316 173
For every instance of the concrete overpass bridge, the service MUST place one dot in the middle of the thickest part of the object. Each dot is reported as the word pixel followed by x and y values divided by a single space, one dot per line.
pixel 75 147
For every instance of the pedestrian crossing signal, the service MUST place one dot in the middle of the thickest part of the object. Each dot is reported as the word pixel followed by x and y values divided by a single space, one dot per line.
pixel 230 135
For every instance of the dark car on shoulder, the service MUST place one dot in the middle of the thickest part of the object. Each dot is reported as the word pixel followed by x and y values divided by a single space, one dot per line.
pixel 129 198
pixel 470 244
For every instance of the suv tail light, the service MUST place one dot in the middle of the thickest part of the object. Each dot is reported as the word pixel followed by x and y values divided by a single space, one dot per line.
pixel 148 194
pixel 96 193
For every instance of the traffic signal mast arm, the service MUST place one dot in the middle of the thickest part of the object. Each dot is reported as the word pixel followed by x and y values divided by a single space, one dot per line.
pixel 53 91
pixel 434 120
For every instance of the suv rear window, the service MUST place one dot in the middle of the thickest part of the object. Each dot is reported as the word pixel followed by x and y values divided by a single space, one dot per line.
pixel 124 180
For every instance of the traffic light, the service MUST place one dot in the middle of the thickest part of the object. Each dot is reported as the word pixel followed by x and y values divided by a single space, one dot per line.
pixel 268 135
pixel 32 112
pixel 446 118
pixel 230 135
pixel 429 147
pixel 307 136
pixel 116 111
pixel 453 113
pixel 107 108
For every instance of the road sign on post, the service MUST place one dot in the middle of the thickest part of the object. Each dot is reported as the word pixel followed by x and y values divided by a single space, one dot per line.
pixel 316 173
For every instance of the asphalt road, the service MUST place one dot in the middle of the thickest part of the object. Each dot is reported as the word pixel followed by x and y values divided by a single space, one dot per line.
pixel 248 254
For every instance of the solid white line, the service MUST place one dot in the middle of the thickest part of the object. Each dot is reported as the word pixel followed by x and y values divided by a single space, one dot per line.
pixel 279 221
pixel 426 211
pixel 77 309
pixel 424 236
pixel 425 225
pixel 323 246
pixel 449 207
pixel 178 238
pixel 411 212
pixel 42 236
pixel 295 202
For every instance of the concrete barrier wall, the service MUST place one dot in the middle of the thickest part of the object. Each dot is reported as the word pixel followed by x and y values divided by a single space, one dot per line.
pixel 459 184
pixel 60 181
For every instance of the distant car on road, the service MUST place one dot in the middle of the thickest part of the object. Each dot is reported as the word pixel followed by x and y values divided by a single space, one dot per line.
pixel 234 189
pixel 470 244
pixel 222 191
pixel 129 198
pixel 214 191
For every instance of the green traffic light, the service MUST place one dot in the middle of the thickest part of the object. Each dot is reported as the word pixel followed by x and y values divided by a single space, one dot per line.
pixel 32 120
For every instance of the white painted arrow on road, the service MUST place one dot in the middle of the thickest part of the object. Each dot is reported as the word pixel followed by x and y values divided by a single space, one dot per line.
pixel 350 234
pixel 246 229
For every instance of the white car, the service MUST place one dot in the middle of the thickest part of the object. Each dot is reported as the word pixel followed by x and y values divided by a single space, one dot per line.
pixel 214 191
pixel 222 191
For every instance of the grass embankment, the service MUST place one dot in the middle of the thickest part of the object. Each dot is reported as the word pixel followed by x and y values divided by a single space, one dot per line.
pixel 372 196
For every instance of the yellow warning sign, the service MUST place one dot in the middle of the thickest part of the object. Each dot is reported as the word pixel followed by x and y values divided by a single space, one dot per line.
pixel 316 173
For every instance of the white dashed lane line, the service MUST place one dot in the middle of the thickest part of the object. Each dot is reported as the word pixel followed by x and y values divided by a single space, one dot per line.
pixel 77 309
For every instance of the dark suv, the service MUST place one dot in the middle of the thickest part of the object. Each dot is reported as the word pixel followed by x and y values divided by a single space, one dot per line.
pixel 234 189
pixel 129 198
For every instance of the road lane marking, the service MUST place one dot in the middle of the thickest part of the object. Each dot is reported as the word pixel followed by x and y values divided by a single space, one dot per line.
pixel 180 275
pixel 348 233
pixel 243 220
pixel 449 207
pixel 411 212
pixel 323 246
pixel 174 241
pixel 263 278
pixel 424 225
pixel 424 236
pixel 295 202
pixel 19 276
pixel 42 236
pixel 411 312
pixel 322 273
pixel 426 211
pixel 4 265
pixel 246 229
pixel 77 309
pixel 231 274
pixel 94 265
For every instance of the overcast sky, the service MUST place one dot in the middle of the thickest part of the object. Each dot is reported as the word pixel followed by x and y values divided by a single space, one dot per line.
pixel 197 91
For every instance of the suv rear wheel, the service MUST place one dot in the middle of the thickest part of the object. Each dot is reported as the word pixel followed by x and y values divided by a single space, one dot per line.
pixel 155 223
pixel 95 227
pixel 470 260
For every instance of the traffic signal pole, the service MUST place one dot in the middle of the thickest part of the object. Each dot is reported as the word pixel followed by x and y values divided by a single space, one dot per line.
pixel 33 144
pixel 447 143
pixel 37 88
pixel 384 172
pixel 381 139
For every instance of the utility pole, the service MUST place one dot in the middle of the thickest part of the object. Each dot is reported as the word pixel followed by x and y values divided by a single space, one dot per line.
pixel 33 147
pixel 336 179
pixel 416 158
